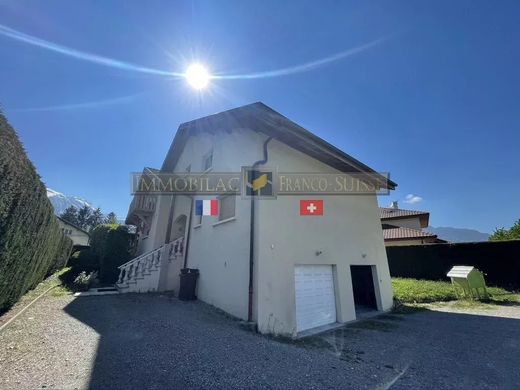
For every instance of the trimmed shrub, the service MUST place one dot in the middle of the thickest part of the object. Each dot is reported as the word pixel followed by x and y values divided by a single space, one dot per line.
pixel 30 239
pixel 113 246
pixel 82 260
pixel 83 280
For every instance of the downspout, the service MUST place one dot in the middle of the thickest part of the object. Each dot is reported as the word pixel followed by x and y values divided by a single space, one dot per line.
pixel 170 221
pixel 252 238
pixel 186 245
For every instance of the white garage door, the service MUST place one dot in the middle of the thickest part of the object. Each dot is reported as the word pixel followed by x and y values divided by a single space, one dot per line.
pixel 315 300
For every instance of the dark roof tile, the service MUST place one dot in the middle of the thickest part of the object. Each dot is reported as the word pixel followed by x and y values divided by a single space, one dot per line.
pixel 388 212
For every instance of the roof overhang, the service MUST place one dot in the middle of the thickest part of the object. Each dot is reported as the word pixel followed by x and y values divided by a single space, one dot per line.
pixel 423 218
pixel 261 118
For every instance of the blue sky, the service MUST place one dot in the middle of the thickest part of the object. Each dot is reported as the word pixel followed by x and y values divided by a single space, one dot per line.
pixel 436 102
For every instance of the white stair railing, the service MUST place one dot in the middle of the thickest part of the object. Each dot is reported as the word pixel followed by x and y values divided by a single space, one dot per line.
pixel 145 269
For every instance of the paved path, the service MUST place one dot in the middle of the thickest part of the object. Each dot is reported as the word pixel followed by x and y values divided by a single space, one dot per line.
pixel 156 342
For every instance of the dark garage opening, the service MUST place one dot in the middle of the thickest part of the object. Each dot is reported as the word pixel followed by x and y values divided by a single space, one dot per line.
pixel 363 288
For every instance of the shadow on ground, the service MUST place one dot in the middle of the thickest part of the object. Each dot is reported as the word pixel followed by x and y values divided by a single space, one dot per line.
pixel 158 342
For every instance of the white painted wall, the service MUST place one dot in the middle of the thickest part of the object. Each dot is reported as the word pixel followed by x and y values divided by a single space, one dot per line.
pixel 348 233
pixel 417 241
pixel 411 222
pixel 77 236
pixel 221 250
pixel 145 245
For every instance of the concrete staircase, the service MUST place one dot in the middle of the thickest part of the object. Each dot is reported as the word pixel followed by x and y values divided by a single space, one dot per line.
pixel 142 274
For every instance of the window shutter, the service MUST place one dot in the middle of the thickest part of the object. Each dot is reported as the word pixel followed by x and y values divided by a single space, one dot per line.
pixel 226 207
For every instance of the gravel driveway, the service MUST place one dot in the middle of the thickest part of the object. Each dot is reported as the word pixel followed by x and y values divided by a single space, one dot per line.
pixel 157 342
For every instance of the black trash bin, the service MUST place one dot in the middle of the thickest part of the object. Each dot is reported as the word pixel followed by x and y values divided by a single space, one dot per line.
pixel 188 283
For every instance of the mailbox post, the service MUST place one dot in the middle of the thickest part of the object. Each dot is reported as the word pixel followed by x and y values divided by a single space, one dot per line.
pixel 470 280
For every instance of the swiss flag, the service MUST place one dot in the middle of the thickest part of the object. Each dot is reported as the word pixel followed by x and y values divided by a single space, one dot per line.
pixel 311 207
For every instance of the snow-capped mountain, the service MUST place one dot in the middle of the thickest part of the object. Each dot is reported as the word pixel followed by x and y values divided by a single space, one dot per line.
pixel 60 201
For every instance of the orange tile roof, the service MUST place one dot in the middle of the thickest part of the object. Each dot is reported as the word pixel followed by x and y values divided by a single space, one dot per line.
pixel 401 233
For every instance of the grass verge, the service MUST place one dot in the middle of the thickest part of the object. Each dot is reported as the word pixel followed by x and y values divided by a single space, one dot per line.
pixel 52 281
pixel 428 291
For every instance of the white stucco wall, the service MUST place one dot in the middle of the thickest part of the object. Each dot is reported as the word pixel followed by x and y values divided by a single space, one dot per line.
pixel 417 241
pixel 77 236
pixel 349 233
pixel 221 250
pixel 145 245
pixel 412 222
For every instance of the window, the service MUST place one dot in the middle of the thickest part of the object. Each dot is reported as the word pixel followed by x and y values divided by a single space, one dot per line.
pixel 207 163
pixel 226 207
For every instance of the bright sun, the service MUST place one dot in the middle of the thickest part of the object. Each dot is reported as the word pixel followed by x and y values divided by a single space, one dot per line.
pixel 197 76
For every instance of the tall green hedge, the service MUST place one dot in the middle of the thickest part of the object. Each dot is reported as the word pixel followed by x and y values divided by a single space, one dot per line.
pixel 62 255
pixel 113 246
pixel 31 241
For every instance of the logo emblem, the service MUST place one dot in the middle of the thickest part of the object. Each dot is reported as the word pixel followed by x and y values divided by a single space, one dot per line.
pixel 258 182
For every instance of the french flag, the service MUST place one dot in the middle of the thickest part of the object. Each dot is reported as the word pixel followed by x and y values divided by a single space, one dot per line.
pixel 206 207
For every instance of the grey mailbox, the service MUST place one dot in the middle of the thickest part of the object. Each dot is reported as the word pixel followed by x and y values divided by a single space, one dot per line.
pixel 468 279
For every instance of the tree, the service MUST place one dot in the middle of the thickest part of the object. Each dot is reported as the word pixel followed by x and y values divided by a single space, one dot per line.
pixel 96 218
pixel 84 215
pixel 111 218
pixel 86 218
pixel 504 234
pixel 112 245
pixel 70 215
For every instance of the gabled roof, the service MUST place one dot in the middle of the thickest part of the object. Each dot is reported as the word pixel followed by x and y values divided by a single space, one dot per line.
pixel 403 233
pixel 390 213
pixel 261 118
pixel 74 226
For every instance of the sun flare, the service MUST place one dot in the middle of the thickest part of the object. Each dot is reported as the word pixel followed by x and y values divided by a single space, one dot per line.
pixel 197 76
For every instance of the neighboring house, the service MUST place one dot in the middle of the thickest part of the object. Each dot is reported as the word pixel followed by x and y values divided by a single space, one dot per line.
pixel 79 236
pixel 405 227
pixel 258 259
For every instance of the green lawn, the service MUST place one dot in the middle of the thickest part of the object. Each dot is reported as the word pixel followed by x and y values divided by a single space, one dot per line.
pixel 423 291
pixel 414 290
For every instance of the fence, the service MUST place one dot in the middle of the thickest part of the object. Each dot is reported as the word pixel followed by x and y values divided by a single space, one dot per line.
pixel 499 260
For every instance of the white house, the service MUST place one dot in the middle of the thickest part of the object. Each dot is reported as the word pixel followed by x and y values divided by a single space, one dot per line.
pixel 259 259
pixel 78 236
pixel 405 227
